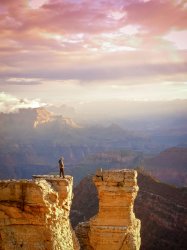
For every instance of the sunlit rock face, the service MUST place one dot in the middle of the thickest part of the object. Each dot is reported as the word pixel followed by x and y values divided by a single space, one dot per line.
pixel 115 226
pixel 34 214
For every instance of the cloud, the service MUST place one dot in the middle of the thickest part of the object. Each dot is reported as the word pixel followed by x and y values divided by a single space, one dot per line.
pixel 146 73
pixel 70 17
pixel 158 17
pixel 10 103
pixel 132 41
pixel 178 38
pixel 24 81
pixel 65 21
pixel 36 4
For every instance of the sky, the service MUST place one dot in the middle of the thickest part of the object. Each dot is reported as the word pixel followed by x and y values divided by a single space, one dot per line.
pixel 82 51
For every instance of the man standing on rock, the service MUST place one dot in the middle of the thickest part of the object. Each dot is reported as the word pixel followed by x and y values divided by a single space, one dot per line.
pixel 61 167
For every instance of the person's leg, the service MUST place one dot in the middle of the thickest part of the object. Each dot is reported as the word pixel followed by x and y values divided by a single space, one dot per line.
pixel 60 172
pixel 63 172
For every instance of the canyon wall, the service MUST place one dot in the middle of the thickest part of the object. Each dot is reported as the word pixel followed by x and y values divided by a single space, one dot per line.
pixel 162 209
pixel 115 226
pixel 34 214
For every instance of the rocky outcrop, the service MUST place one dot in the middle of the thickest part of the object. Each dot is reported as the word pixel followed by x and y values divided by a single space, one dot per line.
pixel 161 208
pixel 115 226
pixel 42 116
pixel 34 214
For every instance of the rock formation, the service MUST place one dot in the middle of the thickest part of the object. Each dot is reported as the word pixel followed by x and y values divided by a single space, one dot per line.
pixel 115 226
pixel 34 214
pixel 162 209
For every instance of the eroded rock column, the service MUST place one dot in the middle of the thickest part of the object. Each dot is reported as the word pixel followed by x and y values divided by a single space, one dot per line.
pixel 115 226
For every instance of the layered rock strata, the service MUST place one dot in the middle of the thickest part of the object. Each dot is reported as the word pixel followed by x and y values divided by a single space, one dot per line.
pixel 162 209
pixel 115 226
pixel 34 214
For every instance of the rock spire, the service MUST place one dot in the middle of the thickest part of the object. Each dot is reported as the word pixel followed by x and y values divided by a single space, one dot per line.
pixel 115 226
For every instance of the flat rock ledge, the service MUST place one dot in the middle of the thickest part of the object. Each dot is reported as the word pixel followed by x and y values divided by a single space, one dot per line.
pixel 34 214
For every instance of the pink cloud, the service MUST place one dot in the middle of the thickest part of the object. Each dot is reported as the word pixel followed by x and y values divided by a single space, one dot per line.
pixel 158 16
pixel 64 34
pixel 92 17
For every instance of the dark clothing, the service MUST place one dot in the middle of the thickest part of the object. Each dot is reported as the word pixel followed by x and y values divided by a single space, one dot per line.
pixel 62 172
pixel 61 167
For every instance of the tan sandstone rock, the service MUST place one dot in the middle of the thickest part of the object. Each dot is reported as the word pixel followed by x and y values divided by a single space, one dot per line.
pixel 34 214
pixel 115 226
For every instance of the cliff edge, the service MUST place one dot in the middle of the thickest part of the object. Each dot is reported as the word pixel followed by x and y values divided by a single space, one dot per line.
pixel 115 226
pixel 34 214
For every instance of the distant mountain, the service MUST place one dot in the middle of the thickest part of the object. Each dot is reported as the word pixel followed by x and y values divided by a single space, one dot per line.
pixel 113 159
pixel 32 118
pixel 62 110
pixel 161 208
pixel 32 140
pixel 169 166
pixel 25 118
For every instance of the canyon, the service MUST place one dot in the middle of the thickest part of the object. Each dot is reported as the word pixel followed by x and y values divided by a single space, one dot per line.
pixel 34 214
pixel 31 141
pixel 161 208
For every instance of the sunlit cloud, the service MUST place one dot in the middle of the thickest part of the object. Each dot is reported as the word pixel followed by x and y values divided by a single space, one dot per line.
pixel 35 4
pixel 22 81
pixel 178 38
pixel 10 103
pixel 117 15
pixel 45 43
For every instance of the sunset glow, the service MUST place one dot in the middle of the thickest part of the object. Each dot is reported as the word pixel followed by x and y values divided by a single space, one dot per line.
pixel 78 50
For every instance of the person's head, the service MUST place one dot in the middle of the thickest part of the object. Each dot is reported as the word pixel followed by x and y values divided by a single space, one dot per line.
pixel 62 158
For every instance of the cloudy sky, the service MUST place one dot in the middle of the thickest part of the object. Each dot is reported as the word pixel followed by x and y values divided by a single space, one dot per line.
pixel 72 51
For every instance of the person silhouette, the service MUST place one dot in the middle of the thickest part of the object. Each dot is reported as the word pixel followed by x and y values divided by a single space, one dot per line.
pixel 61 166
